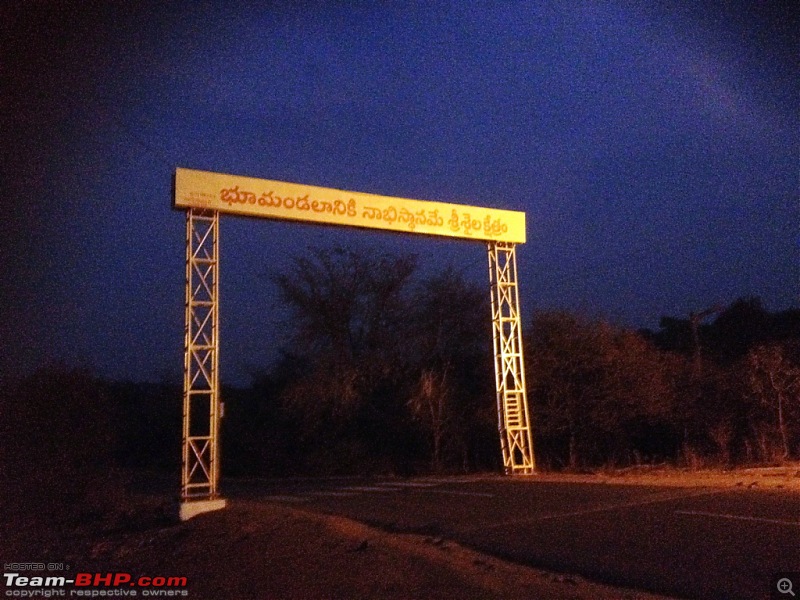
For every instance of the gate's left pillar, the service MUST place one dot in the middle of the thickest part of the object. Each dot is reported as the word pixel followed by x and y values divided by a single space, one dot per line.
pixel 201 403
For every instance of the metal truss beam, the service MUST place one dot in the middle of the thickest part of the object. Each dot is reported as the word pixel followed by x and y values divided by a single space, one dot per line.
pixel 512 400
pixel 201 414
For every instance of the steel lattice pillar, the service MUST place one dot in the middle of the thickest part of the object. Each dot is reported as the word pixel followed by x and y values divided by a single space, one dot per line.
pixel 201 406
pixel 512 401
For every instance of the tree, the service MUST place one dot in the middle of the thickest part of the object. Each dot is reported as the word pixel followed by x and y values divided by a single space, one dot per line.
pixel 774 381
pixel 430 404
pixel 636 411
pixel 599 393
pixel 738 329
pixel 449 346
pixel 348 311
pixel 717 412
pixel 391 366
pixel 564 374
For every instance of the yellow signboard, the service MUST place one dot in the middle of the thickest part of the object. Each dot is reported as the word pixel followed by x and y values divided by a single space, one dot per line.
pixel 297 202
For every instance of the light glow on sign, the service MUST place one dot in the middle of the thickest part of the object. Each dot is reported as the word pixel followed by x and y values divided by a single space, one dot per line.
pixel 298 202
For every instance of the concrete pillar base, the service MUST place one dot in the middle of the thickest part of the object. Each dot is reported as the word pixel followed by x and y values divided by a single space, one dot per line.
pixel 193 508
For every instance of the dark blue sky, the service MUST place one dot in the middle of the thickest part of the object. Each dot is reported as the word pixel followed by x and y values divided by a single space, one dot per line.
pixel 654 149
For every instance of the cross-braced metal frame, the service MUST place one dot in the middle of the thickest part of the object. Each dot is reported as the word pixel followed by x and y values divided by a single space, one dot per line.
pixel 200 477
pixel 201 402
pixel 512 398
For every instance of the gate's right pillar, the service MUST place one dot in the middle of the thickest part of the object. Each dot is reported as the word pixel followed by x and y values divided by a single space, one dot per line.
pixel 512 398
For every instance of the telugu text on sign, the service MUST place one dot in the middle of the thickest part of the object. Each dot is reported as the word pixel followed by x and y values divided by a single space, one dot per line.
pixel 298 202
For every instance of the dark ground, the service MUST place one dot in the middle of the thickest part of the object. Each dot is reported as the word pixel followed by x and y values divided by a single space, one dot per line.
pixel 687 535
pixel 724 536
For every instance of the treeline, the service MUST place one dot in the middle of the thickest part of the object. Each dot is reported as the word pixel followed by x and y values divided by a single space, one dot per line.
pixel 391 371
pixel 387 370
pixel 724 393
pixel 383 371
pixel 68 441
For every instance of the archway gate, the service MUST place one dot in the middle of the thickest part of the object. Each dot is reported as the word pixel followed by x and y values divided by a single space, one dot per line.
pixel 204 195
